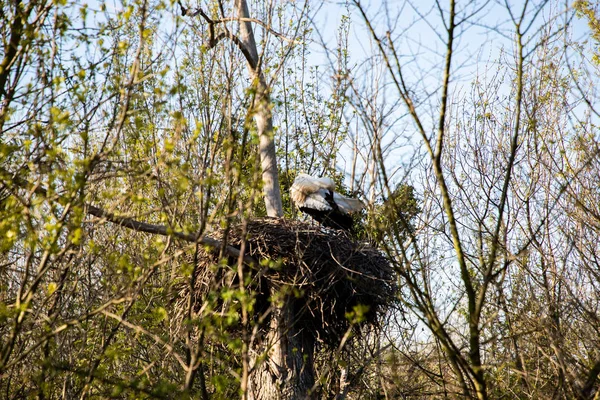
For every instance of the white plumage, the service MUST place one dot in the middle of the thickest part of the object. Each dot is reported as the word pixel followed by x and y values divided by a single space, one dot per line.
pixel 316 197
pixel 347 205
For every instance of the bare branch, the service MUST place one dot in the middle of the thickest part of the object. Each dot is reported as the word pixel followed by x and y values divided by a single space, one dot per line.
pixel 165 231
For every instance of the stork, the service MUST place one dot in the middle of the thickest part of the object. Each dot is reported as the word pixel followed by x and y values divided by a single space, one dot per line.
pixel 317 198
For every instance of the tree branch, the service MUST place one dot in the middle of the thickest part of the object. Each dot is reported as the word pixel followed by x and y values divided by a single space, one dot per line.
pixel 215 39
pixel 139 226
pixel 131 223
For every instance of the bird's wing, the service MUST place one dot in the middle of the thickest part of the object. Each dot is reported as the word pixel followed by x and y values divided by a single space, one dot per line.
pixel 317 201
pixel 310 192
pixel 346 204
pixel 309 184
pixel 297 195
pixel 325 183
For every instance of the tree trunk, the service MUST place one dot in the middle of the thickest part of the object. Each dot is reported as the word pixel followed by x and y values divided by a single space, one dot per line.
pixel 286 372
pixel 263 116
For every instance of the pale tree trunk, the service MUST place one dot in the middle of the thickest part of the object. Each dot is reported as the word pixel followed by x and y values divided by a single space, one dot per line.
pixel 287 371
pixel 263 117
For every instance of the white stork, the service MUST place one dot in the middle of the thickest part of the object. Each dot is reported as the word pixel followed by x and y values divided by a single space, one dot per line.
pixel 317 198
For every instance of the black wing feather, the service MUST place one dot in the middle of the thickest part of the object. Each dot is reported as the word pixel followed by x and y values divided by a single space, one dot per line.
pixel 333 218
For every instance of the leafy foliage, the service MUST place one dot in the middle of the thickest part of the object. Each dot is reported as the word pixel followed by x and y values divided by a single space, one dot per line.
pixel 128 139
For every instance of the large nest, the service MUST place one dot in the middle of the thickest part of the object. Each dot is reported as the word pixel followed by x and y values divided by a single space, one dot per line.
pixel 337 281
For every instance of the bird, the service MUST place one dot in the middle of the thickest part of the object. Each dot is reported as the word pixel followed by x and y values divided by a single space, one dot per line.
pixel 317 198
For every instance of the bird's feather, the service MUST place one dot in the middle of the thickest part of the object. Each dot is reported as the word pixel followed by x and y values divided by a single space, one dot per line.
pixel 317 201
pixel 347 204
pixel 305 185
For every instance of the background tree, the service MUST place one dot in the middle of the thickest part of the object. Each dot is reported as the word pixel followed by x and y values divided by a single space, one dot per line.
pixel 491 220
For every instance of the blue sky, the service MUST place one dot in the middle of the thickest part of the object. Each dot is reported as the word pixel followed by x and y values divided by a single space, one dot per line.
pixel 483 41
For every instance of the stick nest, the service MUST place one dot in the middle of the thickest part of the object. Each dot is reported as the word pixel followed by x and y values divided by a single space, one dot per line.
pixel 336 282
